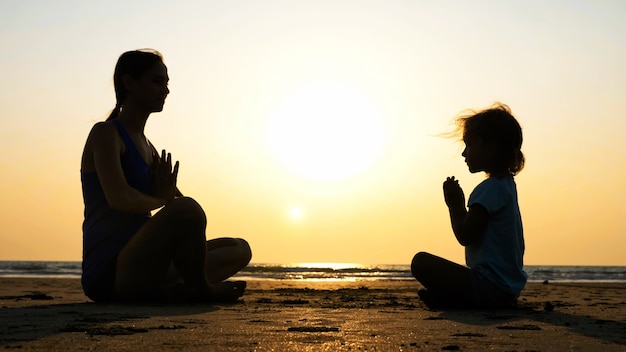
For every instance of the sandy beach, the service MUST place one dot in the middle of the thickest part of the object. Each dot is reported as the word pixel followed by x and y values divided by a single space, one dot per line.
pixel 54 315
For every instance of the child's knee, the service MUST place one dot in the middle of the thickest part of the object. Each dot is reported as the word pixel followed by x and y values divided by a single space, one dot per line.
pixel 419 262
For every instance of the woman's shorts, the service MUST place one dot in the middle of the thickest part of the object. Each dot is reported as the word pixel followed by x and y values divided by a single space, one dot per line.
pixel 102 289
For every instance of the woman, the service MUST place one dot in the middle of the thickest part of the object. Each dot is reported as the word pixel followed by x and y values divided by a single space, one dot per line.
pixel 128 255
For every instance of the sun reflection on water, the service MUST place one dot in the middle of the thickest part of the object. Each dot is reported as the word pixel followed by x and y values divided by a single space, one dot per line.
pixel 328 265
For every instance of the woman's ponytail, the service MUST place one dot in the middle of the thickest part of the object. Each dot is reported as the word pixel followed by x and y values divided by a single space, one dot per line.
pixel 116 112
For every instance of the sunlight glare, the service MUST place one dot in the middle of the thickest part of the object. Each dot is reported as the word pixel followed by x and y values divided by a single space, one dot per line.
pixel 295 212
pixel 326 132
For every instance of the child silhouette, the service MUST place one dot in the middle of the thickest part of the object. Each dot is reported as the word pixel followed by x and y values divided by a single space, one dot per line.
pixel 490 228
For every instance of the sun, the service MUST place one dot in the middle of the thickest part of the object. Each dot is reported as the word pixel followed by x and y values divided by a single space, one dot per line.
pixel 326 132
pixel 295 213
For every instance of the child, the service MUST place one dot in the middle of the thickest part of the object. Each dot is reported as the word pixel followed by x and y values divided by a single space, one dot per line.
pixel 127 252
pixel 490 228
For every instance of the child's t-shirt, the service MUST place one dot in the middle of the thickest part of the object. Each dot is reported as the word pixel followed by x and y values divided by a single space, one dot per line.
pixel 499 256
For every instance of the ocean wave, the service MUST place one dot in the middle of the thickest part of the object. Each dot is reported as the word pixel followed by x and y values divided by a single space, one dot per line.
pixel 330 271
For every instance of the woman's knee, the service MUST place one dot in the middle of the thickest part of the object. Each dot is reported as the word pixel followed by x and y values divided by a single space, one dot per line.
pixel 235 250
pixel 246 251
pixel 187 211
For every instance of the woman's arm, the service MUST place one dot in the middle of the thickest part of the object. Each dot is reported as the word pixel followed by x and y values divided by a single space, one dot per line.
pixel 105 146
pixel 468 226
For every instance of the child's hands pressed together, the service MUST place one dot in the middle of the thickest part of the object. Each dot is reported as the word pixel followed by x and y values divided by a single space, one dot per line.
pixel 453 193
pixel 163 176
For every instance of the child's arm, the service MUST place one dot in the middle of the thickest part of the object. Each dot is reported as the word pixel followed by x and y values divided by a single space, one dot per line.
pixel 468 226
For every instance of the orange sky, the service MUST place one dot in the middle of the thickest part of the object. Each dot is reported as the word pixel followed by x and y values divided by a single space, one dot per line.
pixel 311 128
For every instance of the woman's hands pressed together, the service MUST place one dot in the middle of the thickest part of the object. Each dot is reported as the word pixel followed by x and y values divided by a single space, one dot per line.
pixel 164 176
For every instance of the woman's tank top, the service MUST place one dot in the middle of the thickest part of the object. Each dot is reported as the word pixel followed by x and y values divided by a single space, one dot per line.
pixel 105 230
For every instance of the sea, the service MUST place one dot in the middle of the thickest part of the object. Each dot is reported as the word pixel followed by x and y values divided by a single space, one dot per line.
pixel 328 272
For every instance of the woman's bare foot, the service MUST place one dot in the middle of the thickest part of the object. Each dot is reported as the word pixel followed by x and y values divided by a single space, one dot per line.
pixel 226 291
pixel 175 293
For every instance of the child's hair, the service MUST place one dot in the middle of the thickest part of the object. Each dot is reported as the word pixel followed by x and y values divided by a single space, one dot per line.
pixel 496 125
pixel 134 63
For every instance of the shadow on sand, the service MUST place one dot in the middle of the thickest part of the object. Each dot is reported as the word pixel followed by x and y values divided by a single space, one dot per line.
pixel 17 323
pixel 522 318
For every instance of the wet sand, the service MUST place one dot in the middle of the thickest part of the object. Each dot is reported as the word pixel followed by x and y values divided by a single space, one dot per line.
pixel 54 315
